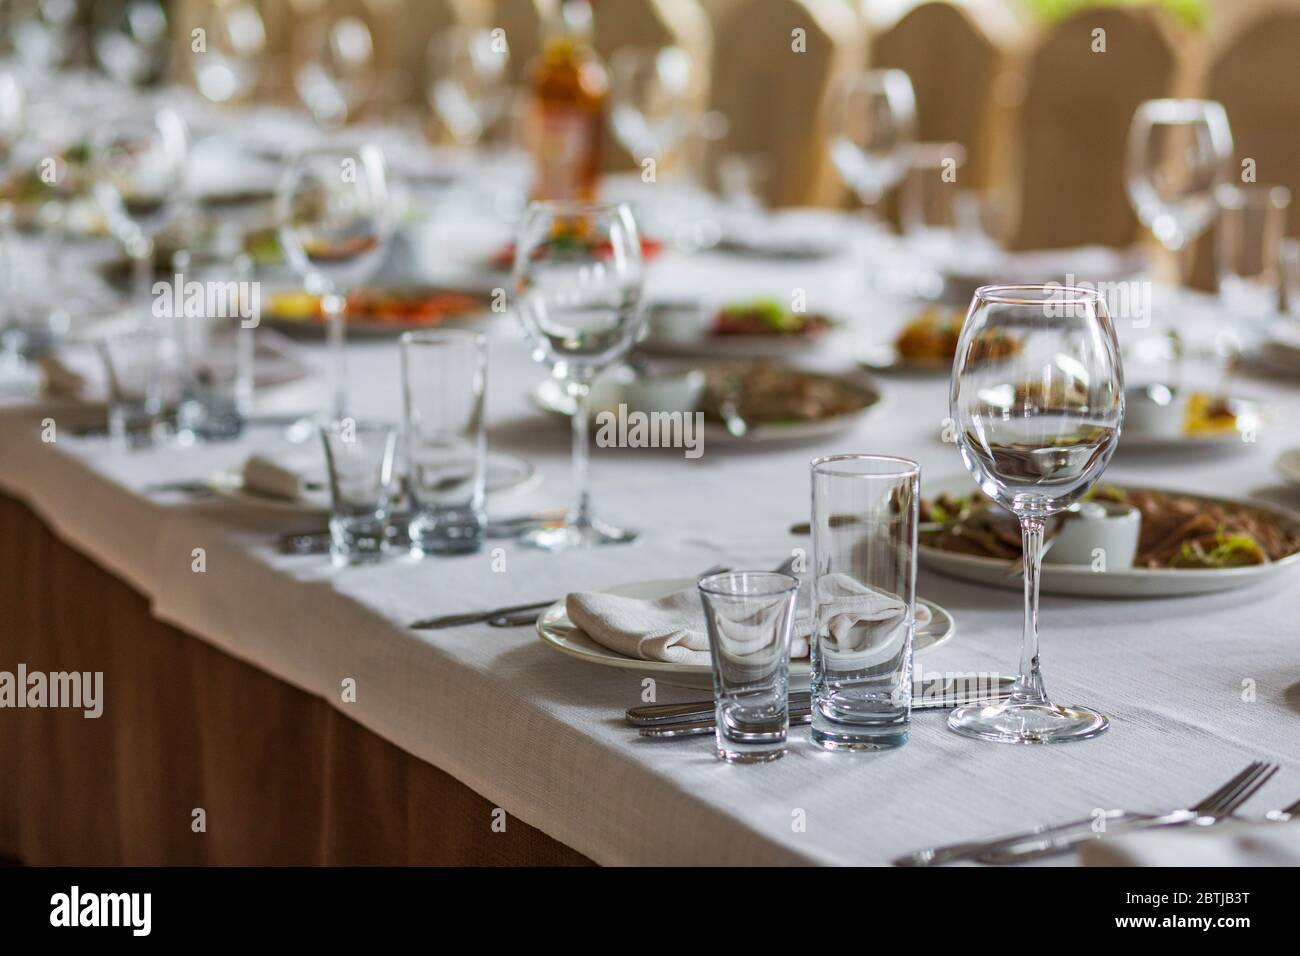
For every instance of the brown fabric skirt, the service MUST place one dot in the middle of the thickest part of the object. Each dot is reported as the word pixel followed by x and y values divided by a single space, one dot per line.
pixel 282 778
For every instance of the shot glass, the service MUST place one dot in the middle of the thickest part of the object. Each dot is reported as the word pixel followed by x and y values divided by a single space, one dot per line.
pixel 749 615
pixel 864 523
pixel 444 376
pixel 359 458
pixel 133 367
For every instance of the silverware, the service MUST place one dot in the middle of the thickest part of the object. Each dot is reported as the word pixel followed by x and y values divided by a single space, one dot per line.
pixel 1214 808
pixel 977 849
pixel 1285 815
pixel 525 618
pixel 937 694
pixel 475 617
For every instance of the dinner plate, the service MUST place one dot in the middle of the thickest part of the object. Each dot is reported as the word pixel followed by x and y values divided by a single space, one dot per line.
pixel 681 329
pixel 884 357
pixel 550 396
pixel 1119 582
pixel 360 326
pixel 504 473
pixel 1251 418
pixel 564 636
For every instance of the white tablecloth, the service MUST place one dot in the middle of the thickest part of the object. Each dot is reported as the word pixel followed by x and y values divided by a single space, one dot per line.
pixel 542 736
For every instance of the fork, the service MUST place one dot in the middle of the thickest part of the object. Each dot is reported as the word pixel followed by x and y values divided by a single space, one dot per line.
pixel 1285 815
pixel 972 849
pixel 1213 809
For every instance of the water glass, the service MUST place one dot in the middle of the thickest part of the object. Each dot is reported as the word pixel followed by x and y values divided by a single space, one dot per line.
pixel 133 361
pixel 216 347
pixel 444 376
pixel 864 524
pixel 359 457
pixel 750 616
pixel 1248 244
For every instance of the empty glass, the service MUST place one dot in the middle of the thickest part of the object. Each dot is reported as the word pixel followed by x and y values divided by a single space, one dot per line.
pixel 864 524
pixel 228 67
pixel 444 377
pixel 871 119
pixel 1179 152
pixel 335 221
pixel 131 39
pixel 1037 396
pixel 335 67
pixel 578 279
pixel 359 457
pixel 468 76
pixel 650 99
pixel 1248 248
pixel 928 208
pixel 133 368
pixel 750 616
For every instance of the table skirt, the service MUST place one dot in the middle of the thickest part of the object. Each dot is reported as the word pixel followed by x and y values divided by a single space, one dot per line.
pixel 282 777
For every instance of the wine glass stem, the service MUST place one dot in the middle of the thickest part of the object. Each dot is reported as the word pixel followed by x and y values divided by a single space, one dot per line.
pixel 1029 685
pixel 140 249
pixel 335 307
pixel 580 516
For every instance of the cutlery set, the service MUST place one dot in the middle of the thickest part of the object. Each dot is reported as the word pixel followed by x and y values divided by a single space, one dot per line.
pixel 1062 838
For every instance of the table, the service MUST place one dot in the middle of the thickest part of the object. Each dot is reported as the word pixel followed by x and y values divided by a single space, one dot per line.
pixel 540 735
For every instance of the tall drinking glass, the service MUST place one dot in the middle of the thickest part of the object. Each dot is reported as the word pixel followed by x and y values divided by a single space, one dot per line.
pixel 1035 428
pixel 444 378
pixel 1179 151
pixel 749 616
pixel 359 457
pixel 132 360
pixel 578 279
pixel 335 221
pixel 864 523
pixel 871 119
pixel 1248 248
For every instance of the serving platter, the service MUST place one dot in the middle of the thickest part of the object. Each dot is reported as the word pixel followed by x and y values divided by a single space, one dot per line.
pixel 1082 580
pixel 561 634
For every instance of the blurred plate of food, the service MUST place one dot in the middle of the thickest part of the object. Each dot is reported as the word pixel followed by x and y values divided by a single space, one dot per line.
pixel 379 311
pixel 503 260
pixel 742 402
pixel 759 328
pixel 1158 416
pixel 927 344
pixel 1182 542
pixel 261 245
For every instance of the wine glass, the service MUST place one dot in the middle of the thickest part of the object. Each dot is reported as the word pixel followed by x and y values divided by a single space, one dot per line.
pixel 871 119
pixel 335 221
pixel 1178 155
pixel 228 67
pixel 578 277
pixel 139 173
pixel 1037 398
pixel 131 40
pixel 44 33
pixel 336 68
pixel 468 72
pixel 650 95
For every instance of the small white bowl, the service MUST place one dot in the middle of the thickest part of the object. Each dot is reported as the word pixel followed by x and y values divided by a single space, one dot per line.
pixel 1154 411
pixel 1096 529
pixel 664 392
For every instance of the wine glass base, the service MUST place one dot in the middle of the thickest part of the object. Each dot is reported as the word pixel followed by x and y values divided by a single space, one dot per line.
pixel 1014 722
pixel 572 537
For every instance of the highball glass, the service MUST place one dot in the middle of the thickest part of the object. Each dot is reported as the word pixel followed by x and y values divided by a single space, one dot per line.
pixel 359 458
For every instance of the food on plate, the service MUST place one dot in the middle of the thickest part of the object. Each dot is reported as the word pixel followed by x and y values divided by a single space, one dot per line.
pixel 1207 414
pixel 1177 530
pixel 931 339
pixel 415 307
pixel 767 317
pixel 568 241
pixel 762 393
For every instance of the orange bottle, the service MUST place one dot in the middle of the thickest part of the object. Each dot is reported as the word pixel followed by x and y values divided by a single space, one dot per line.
pixel 566 112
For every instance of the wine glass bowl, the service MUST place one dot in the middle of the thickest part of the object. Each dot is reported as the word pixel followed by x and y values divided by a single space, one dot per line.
pixel 335 71
pixel 229 66
pixel 578 279
pixel 871 120
pixel 1178 154
pixel 468 73
pixel 650 94
pixel 1037 400
pixel 139 171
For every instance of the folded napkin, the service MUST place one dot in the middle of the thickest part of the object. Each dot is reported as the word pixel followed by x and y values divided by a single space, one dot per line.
pixel 671 628
pixel 292 478
pixel 1231 843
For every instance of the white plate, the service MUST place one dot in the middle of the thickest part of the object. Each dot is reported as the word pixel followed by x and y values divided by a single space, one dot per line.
pixel 1288 466
pixel 549 396
pixel 681 329
pixel 562 634
pixel 1123 582
pixel 1251 417
pixel 504 473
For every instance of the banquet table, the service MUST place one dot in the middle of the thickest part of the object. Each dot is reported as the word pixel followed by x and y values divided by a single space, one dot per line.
pixel 227 684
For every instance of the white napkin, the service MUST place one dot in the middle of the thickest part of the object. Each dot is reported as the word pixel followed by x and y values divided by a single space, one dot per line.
pixel 1231 843
pixel 671 628
pixel 292 478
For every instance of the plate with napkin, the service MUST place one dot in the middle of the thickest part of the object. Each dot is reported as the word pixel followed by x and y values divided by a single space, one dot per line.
pixel 658 627
pixel 295 479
